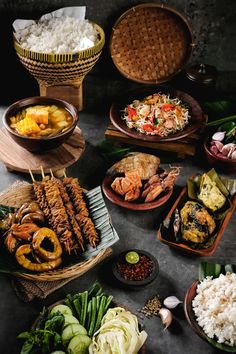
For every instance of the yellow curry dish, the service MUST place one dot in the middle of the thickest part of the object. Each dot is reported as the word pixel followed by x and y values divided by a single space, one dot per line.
pixel 41 121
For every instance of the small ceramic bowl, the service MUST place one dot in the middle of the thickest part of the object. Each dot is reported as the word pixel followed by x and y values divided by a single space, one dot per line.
pixel 39 144
pixel 135 283
pixel 219 163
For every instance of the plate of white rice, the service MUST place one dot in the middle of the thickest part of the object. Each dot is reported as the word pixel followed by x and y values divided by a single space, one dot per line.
pixel 210 309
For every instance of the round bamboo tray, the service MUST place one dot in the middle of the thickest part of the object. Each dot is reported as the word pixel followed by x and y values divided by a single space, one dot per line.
pixel 150 43
pixel 22 192
pixel 61 69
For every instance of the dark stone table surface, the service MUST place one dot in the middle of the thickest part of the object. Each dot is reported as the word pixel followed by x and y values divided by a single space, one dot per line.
pixel 135 229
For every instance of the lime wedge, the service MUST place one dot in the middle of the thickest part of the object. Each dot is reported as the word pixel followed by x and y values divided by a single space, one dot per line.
pixel 132 257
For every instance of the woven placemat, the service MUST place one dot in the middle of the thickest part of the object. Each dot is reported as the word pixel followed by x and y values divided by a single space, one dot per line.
pixel 28 290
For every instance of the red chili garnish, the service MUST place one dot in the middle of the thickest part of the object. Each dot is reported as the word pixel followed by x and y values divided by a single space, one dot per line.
pixel 131 112
pixel 138 271
pixel 148 127
pixel 167 107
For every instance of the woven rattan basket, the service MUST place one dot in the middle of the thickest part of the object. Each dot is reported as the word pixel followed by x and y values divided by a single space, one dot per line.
pixel 151 43
pixel 61 69
pixel 23 193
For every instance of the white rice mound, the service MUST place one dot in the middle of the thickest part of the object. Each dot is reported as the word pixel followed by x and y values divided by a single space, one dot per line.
pixel 58 35
pixel 215 307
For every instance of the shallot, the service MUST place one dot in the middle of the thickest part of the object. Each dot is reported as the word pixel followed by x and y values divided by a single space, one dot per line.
pixel 218 136
pixel 166 317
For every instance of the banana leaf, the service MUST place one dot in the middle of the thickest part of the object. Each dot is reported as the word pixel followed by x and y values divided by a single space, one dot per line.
pixel 207 269
pixel 226 186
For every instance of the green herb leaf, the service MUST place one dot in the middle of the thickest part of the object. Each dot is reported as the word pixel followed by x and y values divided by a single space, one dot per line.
pixel 24 335
pixel 27 348
pixel 155 121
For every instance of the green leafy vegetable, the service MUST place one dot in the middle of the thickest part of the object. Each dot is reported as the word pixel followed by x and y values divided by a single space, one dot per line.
pixel 112 152
pixel 221 121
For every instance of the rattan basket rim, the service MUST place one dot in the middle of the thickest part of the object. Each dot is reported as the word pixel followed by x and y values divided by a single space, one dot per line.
pixel 62 58
pixel 17 194
pixel 162 7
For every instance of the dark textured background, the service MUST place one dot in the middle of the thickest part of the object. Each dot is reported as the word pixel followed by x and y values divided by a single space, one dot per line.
pixel 213 23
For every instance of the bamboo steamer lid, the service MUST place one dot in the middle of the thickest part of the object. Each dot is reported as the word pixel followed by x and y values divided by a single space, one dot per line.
pixel 151 43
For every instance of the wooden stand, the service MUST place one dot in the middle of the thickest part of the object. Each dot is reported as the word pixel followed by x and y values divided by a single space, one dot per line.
pixel 72 93
pixel 17 158
pixel 183 147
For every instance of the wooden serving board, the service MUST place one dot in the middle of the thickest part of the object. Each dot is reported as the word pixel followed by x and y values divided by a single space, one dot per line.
pixel 182 147
pixel 19 159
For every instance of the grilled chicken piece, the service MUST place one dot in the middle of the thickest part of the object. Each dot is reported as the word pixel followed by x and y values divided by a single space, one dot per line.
pixel 197 223
pixel 129 186
pixel 145 165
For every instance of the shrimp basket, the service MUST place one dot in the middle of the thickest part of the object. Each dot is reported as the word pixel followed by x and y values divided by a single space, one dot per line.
pixel 60 70
pixel 22 192
pixel 150 43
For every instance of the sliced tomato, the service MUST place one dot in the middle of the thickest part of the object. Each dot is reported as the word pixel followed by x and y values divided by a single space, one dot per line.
pixel 131 112
pixel 167 107
pixel 148 128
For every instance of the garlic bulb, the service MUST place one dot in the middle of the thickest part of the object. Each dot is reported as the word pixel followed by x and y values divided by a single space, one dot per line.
pixel 166 317
pixel 171 302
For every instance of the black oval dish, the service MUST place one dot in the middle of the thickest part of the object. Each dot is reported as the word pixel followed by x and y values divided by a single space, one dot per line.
pixel 136 283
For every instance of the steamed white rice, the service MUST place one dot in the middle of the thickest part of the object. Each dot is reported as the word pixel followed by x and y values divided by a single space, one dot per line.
pixel 58 35
pixel 215 307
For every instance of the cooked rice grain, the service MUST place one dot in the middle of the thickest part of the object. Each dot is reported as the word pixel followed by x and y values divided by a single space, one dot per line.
pixel 215 308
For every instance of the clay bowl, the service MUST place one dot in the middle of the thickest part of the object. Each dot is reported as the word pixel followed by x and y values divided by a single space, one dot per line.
pixel 196 122
pixel 190 316
pixel 39 144
pixel 137 205
pixel 135 283
pixel 219 163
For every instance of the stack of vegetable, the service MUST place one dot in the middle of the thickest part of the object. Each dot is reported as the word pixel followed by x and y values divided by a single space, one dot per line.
pixel 84 324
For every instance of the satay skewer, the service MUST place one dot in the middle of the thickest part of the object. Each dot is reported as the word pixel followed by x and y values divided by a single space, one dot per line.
pixel 31 175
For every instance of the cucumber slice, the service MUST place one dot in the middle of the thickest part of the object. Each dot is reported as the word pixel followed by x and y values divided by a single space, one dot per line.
pixel 63 309
pixel 79 344
pixel 71 331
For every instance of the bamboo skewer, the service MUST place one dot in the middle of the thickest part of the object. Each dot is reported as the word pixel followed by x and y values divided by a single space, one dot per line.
pixel 42 172
pixel 31 175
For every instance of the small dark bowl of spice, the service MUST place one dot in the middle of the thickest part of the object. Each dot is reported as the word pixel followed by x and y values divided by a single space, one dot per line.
pixel 134 268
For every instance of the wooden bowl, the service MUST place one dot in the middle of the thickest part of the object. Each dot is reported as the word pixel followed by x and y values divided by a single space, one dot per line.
pixel 135 283
pixel 162 237
pixel 191 318
pixel 219 163
pixel 196 122
pixel 119 200
pixel 39 144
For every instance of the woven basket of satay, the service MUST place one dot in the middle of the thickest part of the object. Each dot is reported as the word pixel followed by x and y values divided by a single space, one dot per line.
pixel 52 229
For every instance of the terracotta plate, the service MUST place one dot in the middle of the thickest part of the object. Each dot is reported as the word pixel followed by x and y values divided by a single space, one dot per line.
pixel 166 239
pixel 196 122
pixel 119 200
